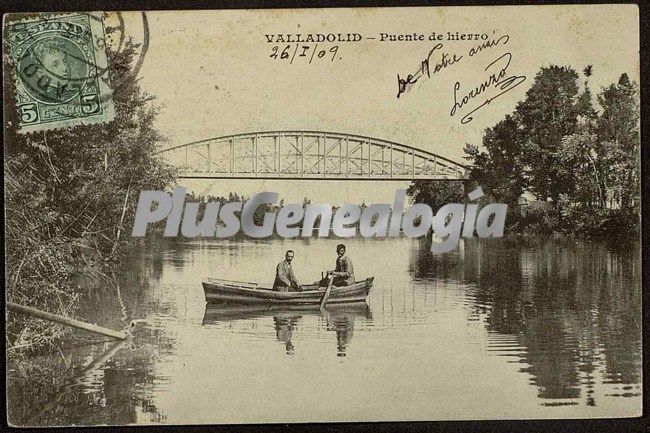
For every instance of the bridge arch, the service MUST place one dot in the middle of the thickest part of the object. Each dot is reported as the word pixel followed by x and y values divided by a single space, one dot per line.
pixel 308 155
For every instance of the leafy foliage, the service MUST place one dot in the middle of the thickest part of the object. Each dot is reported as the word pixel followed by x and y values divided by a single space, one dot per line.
pixel 436 194
pixel 70 194
pixel 549 113
pixel 500 167
pixel 559 147
pixel 618 130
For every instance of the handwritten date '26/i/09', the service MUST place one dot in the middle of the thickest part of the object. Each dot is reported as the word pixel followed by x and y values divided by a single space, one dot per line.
pixel 306 53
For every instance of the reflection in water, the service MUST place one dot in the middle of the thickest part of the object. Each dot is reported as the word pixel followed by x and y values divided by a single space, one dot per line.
pixel 343 326
pixel 543 329
pixel 568 314
pixel 52 393
pixel 284 326
pixel 286 319
pixel 104 378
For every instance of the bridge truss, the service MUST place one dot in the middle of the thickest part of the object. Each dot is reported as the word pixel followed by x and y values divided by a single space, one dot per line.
pixel 308 155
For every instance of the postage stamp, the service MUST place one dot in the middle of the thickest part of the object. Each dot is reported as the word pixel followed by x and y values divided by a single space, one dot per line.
pixel 60 71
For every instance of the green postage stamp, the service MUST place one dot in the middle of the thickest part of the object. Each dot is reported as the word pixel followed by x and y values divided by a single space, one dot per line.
pixel 60 71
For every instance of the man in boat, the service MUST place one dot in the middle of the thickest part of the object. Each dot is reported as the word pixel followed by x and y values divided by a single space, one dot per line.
pixel 285 280
pixel 343 273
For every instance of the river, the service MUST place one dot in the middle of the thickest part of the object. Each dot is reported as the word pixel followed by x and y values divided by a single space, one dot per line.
pixel 497 329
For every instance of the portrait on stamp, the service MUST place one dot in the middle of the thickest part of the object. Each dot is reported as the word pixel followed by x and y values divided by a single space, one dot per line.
pixel 59 67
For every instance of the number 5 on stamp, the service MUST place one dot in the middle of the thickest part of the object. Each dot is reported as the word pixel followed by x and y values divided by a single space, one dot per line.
pixel 28 113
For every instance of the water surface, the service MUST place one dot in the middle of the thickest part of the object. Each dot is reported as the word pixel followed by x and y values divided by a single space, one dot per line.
pixel 494 330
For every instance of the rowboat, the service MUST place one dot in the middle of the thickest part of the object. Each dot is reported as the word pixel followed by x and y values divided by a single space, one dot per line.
pixel 217 290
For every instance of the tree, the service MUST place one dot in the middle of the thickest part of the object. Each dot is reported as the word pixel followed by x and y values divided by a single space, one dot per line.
pixel 578 155
pixel 549 113
pixel 558 146
pixel 436 193
pixel 499 169
pixel 618 131
pixel 89 175
pixel 581 156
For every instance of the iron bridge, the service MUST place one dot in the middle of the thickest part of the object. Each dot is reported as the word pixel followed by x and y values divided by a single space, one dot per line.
pixel 308 155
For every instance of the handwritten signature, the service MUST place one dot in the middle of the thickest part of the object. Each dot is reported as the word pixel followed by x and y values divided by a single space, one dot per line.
pixel 499 80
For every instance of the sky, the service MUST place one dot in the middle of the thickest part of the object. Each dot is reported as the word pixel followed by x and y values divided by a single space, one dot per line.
pixel 212 75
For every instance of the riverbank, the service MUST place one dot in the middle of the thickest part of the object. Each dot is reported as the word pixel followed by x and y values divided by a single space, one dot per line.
pixel 576 222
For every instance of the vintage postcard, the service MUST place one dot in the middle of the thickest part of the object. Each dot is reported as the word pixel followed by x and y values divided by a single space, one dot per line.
pixel 322 215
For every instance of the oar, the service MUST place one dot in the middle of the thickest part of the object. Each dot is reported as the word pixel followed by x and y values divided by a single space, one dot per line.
pixel 327 292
